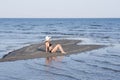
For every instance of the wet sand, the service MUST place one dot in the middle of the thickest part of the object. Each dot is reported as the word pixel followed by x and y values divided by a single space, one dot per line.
pixel 38 50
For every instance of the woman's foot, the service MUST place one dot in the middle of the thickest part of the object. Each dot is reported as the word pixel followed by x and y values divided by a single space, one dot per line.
pixel 63 52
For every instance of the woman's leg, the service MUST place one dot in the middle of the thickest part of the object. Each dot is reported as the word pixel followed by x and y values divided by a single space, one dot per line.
pixel 58 46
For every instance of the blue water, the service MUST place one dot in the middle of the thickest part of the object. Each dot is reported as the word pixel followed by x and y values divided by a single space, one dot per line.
pixel 101 64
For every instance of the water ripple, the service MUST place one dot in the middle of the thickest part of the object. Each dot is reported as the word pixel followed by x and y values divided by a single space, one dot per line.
pixel 48 71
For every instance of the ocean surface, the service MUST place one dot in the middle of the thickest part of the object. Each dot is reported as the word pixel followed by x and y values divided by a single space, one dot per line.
pixel 100 64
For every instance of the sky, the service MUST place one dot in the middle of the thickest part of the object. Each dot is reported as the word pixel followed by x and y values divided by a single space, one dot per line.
pixel 59 8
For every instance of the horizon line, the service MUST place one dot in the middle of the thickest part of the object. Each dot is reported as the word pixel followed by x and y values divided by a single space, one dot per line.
pixel 58 17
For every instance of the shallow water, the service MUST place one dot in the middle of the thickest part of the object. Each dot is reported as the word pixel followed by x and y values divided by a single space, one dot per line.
pixel 101 64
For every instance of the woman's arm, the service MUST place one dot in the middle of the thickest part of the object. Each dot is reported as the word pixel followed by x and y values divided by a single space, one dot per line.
pixel 46 46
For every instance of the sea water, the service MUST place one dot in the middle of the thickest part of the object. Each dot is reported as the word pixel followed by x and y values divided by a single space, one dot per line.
pixel 100 64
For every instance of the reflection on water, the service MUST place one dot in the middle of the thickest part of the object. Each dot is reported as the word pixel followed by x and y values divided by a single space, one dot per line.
pixel 52 67
pixel 49 60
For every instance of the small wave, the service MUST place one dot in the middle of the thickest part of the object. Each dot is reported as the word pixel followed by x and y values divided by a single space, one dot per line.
pixel 89 73
pixel 114 70
pixel 111 56
pixel 56 33
pixel 53 67
pixel 79 61
pixel 53 30
pixel 6 31
pixel 93 65
pixel 50 25
pixel 11 77
pixel 95 25
pixel 113 51
pixel 81 71
pixel 19 25
pixel 54 24
pixel 34 25
pixel 115 55
pixel 106 62
pixel 60 23
pixel 81 30
pixel 107 54
pixel 106 68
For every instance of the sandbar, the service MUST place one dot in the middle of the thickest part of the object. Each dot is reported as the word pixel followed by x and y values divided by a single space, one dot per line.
pixel 38 50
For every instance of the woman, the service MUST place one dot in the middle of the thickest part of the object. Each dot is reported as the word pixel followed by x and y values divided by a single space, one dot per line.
pixel 50 48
